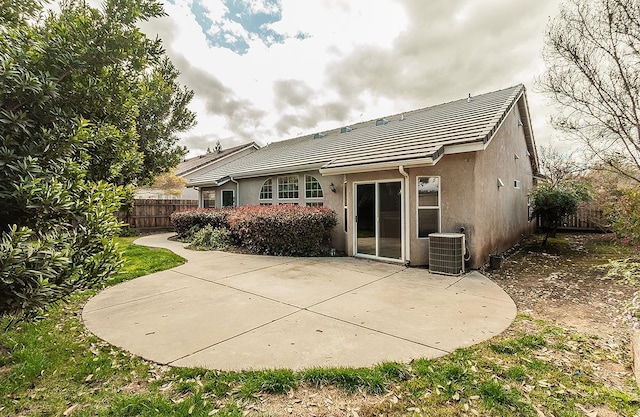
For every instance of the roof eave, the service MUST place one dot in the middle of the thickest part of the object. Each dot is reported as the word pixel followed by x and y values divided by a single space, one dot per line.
pixel 466 147
pixel 279 171
pixel 523 107
pixel 259 173
pixel 382 166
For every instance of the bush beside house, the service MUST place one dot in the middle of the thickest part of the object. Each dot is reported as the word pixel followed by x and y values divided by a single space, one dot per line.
pixel 187 222
pixel 283 230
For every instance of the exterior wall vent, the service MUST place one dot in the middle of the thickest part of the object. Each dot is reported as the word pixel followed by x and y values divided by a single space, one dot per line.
pixel 318 136
pixel 345 130
pixel 446 253
pixel 381 122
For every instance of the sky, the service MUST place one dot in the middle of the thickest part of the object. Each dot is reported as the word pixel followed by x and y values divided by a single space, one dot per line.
pixel 269 70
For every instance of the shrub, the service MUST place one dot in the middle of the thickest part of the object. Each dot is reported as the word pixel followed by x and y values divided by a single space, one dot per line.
pixel 624 214
pixel 72 250
pixel 551 202
pixel 209 238
pixel 284 230
pixel 184 222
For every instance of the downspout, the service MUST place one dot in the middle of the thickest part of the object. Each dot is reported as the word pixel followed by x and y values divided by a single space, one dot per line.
pixel 237 191
pixel 407 222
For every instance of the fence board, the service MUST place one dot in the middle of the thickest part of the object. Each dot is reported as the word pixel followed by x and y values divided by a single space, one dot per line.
pixel 150 215
pixel 586 219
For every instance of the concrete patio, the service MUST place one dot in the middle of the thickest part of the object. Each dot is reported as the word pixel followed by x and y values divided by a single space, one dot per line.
pixel 236 312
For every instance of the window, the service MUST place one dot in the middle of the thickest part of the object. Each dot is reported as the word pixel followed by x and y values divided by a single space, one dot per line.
pixel 312 188
pixel 428 206
pixel 315 204
pixel 266 204
pixel 288 187
pixel 228 199
pixel 266 192
pixel 208 199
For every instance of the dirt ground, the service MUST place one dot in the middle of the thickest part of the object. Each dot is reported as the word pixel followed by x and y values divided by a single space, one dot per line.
pixel 567 284
pixel 563 283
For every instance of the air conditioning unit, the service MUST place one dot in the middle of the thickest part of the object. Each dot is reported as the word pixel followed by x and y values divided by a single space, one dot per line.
pixel 446 253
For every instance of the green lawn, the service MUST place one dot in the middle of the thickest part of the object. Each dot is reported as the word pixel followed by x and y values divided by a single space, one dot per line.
pixel 54 366
pixel 141 260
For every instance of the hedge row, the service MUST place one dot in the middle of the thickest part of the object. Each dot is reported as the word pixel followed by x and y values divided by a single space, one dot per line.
pixel 184 221
pixel 284 230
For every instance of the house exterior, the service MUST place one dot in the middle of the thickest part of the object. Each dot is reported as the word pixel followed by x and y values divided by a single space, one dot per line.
pixel 197 166
pixel 465 166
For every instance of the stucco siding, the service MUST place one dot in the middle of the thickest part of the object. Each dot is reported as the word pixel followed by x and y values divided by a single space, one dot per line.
pixel 502 212
pixel 457 201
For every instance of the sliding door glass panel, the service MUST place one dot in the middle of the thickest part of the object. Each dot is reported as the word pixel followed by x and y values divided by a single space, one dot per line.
pixel 366 219
pixel 390 217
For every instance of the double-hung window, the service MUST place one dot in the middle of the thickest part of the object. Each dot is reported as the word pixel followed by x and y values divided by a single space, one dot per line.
pixel 428 206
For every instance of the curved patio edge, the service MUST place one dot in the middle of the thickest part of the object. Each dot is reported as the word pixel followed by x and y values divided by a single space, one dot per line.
pixel 232 311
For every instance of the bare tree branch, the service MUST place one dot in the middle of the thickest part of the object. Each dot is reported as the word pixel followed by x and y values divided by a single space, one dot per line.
pixel 592 53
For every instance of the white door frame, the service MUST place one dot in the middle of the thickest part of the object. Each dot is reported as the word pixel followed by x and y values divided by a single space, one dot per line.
pixel 354 214
pixel 233 197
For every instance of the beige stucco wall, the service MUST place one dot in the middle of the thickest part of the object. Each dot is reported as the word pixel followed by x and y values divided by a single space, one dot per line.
pixel 502 212
pixel 457 201
pixel 494 218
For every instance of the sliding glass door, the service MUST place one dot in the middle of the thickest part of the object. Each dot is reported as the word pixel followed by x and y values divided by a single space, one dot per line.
pixel 379 219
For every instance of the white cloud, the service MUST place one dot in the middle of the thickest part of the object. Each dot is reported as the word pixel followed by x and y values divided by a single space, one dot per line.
pixel 262 6
pixel 356 60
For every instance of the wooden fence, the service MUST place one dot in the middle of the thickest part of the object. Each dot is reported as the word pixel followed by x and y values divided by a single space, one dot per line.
pixel 148 215
pixel 587 219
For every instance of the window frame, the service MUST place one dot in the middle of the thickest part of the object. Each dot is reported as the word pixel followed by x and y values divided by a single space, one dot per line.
pixel 269 191
pixel 419 207
pixel 281 190
pixel 233 198
pixel 307 190
pixel 203 199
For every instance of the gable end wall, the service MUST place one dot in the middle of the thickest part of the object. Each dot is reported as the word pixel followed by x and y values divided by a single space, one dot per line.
pixel 501 212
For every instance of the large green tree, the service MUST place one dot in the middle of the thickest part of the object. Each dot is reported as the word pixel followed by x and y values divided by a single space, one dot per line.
pixel 592 54
pixel 88 103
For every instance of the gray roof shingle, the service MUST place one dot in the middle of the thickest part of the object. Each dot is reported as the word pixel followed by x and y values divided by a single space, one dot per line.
pixel 197 162
pixel 419 136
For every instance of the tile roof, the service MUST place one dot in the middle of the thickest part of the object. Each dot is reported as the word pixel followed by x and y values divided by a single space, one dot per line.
pixel 418 136
pixel 192 164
